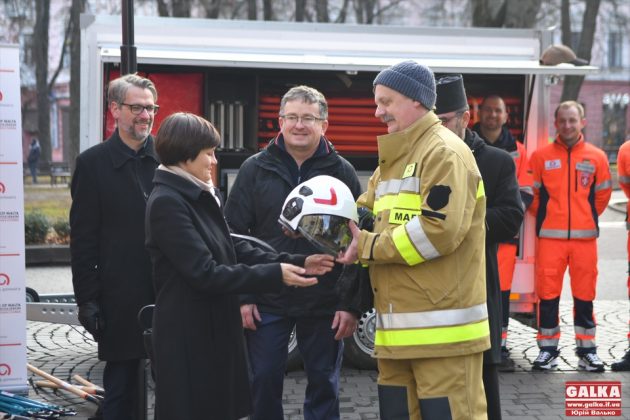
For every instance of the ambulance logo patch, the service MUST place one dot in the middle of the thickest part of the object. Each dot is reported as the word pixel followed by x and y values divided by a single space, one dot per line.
pixel 552 164
pixel 585 179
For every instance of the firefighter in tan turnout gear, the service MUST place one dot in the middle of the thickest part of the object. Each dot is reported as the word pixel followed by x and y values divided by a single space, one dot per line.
pixel 425 256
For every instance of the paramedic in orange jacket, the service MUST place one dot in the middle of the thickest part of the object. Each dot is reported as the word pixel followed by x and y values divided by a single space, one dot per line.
pixel 572 187
pixel 623 172
pixel 492 128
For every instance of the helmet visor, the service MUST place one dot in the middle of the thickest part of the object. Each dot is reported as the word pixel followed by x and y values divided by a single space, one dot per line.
pixel 330 234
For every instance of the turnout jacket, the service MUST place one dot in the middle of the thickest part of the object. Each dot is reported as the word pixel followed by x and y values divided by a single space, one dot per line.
pixel 426 253
pixel 572 187
pixel 254 206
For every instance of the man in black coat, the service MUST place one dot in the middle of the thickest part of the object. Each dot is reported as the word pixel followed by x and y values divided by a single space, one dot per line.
pixel 504 214
pixel 111 269
pixel 322 320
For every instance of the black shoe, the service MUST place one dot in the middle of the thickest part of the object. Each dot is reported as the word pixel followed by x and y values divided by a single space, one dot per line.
pixel 507 364
pixel 623 365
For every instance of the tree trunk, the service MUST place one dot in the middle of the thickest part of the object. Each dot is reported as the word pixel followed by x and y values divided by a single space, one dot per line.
pixel 212 8
pixel 573 84
pixel 268 10
pixel 181 8
pixel 488 13
pixel 162 8
pixel 565 19
pixel 300 6
pixel 73 145
pixel 321 8
pixel 343 12
pixel 252 10
pixel 40 53
pixel 521 14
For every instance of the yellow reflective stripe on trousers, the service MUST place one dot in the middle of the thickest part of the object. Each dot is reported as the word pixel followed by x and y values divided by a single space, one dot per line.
pixel 428 336
pixel 405 247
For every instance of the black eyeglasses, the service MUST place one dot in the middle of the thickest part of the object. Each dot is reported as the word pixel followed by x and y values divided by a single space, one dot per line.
pixel 137 109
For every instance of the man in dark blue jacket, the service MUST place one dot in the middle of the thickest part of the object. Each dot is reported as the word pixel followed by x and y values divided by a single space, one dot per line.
pixel 322 319
pixel 504 214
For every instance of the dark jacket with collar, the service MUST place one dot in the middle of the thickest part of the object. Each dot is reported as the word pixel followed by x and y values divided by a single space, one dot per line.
pixel 504 214
pixel 253 208
pixel 198 271
pixel 110 264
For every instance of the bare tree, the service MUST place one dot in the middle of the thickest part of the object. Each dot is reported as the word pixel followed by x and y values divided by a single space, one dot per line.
pixel 181 8
pixel 370 11
pixel 162 8
pixel 572 84
pixel 40 53
pixel 321 11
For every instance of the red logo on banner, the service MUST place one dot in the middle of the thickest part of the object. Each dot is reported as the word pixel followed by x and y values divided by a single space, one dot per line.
pixel 1 96
pixel 584 399
pixel 2 188
pixel 5 370
pixel 4 279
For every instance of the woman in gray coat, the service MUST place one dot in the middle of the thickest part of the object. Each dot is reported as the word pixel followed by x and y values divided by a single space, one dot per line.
pixel 198 272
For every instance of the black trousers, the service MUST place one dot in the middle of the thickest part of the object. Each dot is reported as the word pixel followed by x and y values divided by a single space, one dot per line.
pixel 491 386
pixel 120 380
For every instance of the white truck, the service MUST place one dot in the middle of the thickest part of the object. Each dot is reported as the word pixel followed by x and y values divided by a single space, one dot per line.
pixel 234 73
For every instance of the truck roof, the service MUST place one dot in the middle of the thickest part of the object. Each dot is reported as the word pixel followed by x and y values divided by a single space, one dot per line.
pixel 324 46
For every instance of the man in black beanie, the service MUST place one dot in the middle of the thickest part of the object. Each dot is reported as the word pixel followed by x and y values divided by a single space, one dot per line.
pixel 426 266
pixel 504 214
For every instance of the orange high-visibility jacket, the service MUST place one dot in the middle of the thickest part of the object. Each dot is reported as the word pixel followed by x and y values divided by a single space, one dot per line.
pixel 572 187
pixel 623 172
pixel 523 175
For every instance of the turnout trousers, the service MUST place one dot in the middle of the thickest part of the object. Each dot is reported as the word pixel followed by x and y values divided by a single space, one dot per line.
pixel 446 388
pixel 552 258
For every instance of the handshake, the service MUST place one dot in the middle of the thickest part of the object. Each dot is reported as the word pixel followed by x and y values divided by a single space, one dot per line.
pixel 91 318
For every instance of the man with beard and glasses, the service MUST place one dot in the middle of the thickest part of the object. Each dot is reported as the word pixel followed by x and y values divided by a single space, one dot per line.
pixel 111 269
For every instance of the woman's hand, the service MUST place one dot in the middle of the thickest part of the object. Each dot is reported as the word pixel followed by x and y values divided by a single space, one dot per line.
pixel 319 264
pixel 292 275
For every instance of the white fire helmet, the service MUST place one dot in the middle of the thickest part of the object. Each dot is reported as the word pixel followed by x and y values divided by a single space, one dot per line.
pixel 320 209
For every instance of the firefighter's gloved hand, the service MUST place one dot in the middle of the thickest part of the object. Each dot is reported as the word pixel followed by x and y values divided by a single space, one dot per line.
pixel 91 318
pixel 366 219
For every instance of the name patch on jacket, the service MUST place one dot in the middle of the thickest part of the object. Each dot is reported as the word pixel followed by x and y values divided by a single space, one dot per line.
pixel 401 216
pixel 552 164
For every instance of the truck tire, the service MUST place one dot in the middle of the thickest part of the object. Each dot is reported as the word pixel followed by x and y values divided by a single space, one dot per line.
pixel 294 358
pixel 358 348
pixel 31 295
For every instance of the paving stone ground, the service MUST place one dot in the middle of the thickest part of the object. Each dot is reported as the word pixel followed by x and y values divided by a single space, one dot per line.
pixel 64 351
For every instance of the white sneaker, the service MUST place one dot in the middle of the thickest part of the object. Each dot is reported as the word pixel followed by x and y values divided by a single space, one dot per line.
pixel 590 362
pixel 546 360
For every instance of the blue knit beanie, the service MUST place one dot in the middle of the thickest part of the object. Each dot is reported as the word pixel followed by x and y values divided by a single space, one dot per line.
pixel 413 80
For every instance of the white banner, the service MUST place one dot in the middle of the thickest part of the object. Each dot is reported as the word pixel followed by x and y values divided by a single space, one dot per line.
pixel 12 270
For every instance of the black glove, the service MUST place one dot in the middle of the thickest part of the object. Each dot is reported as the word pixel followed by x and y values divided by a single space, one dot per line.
pixel 91 318
pixel 366 219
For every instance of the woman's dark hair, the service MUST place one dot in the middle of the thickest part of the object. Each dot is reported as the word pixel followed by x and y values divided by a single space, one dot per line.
pixel 182 136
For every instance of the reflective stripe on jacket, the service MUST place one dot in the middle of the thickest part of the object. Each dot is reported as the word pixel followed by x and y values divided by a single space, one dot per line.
pixel 572 187
pixel 426 253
